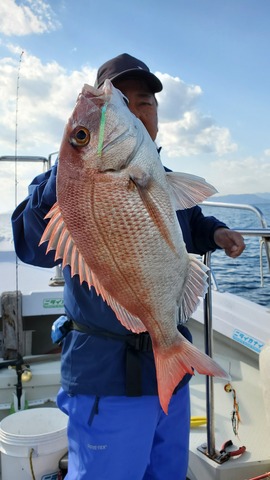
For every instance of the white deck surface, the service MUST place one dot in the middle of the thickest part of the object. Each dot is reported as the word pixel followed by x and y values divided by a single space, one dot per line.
pixel 254 433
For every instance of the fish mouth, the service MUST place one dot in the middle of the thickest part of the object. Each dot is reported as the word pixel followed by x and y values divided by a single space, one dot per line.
pixel 91 92
pixel 105 90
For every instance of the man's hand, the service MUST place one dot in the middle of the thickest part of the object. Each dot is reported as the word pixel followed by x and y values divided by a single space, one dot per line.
pixel 232 242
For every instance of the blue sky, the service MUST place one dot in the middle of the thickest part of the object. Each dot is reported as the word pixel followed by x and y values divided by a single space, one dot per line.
pixel 211 55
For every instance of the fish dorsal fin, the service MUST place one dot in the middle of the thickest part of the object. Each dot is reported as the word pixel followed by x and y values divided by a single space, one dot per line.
pixel 187 190
pixel 60 240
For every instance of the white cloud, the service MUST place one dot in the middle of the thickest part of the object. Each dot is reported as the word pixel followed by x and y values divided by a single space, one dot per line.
pixel 176 97
pixel 183 129
pixel 30 16
pixel 247 175
pixel 47 95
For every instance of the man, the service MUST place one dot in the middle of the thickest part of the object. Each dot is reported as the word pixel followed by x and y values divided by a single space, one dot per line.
pixel 117 429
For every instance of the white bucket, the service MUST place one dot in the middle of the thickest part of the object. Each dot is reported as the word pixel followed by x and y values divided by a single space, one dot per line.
pixel 32 443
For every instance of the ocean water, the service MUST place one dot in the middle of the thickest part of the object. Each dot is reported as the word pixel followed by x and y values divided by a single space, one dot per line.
pixel 241 276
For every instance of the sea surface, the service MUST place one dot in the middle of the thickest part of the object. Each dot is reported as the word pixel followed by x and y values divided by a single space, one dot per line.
pixel 244 275
pixel 241 276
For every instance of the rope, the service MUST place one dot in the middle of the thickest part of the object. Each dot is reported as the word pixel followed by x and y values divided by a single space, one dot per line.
pixel 260 477
pixel 31 464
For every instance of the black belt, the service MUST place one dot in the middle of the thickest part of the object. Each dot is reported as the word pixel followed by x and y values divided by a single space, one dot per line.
pixel 136 342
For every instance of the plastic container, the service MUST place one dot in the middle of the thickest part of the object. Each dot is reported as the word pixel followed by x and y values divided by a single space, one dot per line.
pixel 32 443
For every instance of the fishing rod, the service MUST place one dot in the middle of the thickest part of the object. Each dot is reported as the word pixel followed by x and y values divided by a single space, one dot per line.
pixel 19 361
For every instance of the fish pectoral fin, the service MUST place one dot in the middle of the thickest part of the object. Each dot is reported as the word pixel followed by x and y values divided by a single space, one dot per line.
pixel 173 363
pixel 187 190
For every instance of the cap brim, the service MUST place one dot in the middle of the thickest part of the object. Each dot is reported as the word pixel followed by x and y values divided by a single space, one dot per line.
pixel 153 82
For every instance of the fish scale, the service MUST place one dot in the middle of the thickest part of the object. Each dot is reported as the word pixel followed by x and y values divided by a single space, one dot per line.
pixel 128 232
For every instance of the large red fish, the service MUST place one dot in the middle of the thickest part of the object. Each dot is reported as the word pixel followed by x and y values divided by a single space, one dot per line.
pixel 115 224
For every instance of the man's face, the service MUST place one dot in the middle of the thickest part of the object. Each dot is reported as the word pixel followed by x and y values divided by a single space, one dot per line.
pixel 142 102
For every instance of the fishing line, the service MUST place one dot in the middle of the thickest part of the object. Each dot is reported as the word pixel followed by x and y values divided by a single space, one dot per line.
pixel 16 130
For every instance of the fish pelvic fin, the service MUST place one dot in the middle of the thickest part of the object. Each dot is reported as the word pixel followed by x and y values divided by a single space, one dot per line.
pixel 196 285
pixel 59 239
pixel 187 190
pixel 178 360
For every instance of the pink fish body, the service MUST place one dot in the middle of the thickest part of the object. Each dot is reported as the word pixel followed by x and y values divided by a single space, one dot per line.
pixel 115 224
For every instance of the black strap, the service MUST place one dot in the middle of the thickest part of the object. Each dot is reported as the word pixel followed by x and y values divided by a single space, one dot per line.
pixel 133 373
pixel 136 343
pixel 139 341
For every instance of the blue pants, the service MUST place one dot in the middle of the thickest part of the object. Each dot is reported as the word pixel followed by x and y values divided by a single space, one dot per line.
pixel 127 438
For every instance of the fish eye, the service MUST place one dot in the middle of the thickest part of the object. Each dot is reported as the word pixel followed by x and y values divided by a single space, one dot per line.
pixel 80 137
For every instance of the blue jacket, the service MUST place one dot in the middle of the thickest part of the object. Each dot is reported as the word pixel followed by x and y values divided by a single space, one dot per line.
pixel 94 364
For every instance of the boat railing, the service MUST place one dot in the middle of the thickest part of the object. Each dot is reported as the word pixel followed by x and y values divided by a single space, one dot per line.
pixel 240 206
pixel 58 279
pixel 264 234
pixel 47 161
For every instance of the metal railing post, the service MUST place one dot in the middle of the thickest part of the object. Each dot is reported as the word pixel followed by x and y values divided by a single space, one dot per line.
pixel 208 339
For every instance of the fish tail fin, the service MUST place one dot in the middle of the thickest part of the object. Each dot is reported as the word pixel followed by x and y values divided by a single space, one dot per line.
pixel 177 360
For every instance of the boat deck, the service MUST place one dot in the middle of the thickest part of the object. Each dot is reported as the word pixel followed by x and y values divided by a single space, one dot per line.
pixel 254 432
